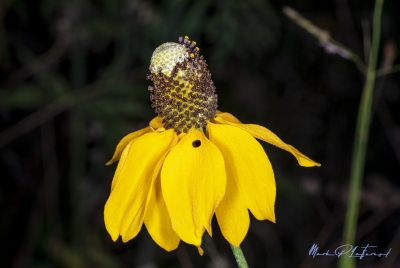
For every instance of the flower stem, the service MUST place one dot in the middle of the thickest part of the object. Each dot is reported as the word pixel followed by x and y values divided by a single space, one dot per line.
pixel 240 259
pixel 361 139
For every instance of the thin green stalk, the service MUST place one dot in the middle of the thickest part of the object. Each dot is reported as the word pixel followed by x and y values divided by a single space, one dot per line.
pixel 240 259
pixel 361 139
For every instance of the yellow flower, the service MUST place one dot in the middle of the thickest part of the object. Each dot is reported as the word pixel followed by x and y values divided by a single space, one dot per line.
pixel 191 162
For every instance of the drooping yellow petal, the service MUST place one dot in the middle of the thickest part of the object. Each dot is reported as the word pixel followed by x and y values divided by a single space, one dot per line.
pixel 266 135
pixel 125 207
pixel 121 164
pixel 125 141
pixel 247 167
pixel 228 117
pixel 193 181
pixel 158 221
pixel 133 228
pixel 232 214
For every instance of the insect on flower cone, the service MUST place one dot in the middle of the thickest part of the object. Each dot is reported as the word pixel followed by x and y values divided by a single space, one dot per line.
pixel 191 162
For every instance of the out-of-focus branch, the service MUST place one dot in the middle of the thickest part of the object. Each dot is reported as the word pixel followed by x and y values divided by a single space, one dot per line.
pixel 58 106
pixel 326 41
pixel 49 111
pixel 39 63
pixel 388 70
pixel 334 47
pixel 346 20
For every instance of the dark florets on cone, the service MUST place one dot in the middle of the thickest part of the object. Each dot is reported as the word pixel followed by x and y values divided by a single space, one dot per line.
pixel 183 92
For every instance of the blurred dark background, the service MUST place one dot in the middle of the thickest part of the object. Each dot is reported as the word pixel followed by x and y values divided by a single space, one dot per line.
pixel 72 84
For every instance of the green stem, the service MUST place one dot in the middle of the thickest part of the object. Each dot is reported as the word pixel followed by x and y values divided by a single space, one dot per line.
pixel 240 259
pixel 361 139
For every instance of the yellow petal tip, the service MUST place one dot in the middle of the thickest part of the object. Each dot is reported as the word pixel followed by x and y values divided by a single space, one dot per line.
pixel 114 237
pixel 306 162
pixel 201 251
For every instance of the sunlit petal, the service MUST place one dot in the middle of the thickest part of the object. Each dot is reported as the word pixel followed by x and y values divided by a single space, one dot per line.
pixel 158 221
pixel 266 135
pixel 193 183
pixel 232 214
pixel 247 167
pixel 228 117
pixel 124 210
pixel 125 141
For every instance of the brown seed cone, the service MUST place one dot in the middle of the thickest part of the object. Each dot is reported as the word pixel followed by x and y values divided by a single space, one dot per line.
pixel 183 92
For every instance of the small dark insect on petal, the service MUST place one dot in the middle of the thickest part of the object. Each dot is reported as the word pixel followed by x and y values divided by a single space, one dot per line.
pixel 196 143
